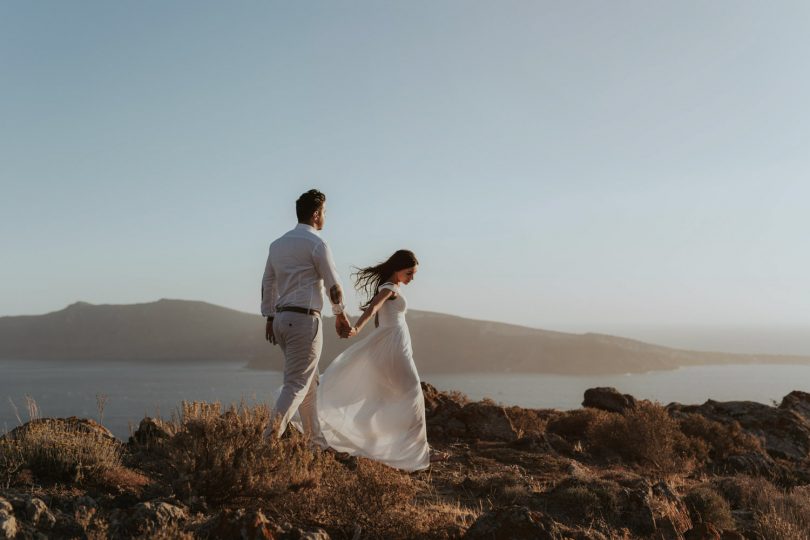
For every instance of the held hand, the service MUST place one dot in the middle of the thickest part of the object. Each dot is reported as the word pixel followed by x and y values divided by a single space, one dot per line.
pixel 342 325
pixel 268 332
pixel 353 331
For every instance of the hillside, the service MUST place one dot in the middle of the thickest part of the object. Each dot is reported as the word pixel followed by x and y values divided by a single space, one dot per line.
pixel 189 331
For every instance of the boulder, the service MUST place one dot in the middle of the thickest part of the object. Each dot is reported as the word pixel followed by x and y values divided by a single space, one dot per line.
pixel 8 523
pixel 798 402
pixel 451 416
pixel 73 423
pixel 608 399
pixel 514 522
pixel 151 431
pixel 38 514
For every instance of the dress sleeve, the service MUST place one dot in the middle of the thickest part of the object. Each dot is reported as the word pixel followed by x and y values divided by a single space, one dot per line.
pixel 390 286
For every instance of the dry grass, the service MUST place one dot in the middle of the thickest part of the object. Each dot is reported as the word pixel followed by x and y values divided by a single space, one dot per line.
pixel 526 422
pixel 718 441
pixel 59 451
pixel 779 514
pixel 221 456
pixel 646 436
pixel 585 502
pixel 574 425
pixel 707 506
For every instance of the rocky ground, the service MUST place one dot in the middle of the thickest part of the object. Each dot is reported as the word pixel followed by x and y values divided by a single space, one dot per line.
pixel 617 468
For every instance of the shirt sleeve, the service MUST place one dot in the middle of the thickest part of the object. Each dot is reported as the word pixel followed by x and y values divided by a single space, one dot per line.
pixel 325 265
pixel 269 290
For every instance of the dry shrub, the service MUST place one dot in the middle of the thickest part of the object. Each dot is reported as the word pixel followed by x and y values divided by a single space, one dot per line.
pixel 645 435
pixel 11 462
pixel 584 502
pixel 574 424
pixel 717 440
pixel 779 514
pixel 378 499
pixel 223 457
pixel 527 422
pixel 706 506
pixel 58 451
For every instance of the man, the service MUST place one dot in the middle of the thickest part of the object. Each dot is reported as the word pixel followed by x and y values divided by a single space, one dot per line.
pixel 298 265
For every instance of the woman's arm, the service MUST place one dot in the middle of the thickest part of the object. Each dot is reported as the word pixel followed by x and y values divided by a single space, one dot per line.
pixel 373 307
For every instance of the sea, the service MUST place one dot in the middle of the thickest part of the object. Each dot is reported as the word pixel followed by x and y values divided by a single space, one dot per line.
pixel 121 394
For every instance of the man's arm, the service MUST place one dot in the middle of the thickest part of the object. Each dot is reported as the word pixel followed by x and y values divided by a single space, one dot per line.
pixel 269 299
pixel 325 265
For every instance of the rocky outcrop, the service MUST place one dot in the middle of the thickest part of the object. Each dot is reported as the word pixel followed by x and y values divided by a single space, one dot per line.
pixel 552 482
pixel 450 416
pixel 798 402
pixel 784 432
pixel 147 517
pixel 608 399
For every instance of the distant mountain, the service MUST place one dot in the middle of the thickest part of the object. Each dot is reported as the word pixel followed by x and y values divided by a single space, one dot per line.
pixel 187 331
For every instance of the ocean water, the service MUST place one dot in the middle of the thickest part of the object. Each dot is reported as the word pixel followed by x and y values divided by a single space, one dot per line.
pixel 134 391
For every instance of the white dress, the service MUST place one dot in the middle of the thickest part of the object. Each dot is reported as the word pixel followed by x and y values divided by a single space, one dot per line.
pixel 370 401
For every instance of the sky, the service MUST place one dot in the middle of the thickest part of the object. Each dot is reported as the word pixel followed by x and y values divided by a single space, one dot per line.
pixel 584 166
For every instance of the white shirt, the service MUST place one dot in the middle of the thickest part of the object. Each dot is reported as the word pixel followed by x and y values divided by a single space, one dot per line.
pixel 298 265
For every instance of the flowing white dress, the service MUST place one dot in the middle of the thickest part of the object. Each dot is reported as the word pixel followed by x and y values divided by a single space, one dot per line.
pixel 370 402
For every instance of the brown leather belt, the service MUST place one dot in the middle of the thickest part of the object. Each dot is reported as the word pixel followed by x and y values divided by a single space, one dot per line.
pixel 294 309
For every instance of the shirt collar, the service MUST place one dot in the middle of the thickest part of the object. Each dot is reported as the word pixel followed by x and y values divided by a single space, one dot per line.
pixel 305 227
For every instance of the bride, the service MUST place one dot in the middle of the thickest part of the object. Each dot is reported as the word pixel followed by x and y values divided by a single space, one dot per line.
pixel 370 402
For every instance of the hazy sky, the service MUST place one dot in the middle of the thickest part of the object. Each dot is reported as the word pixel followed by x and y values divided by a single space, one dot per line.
pixel 554 164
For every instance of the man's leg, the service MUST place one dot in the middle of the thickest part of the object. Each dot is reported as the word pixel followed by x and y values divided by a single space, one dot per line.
pixel 301 340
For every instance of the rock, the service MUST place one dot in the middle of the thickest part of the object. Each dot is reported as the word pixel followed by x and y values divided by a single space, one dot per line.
pixel 305 534
pixel 703 531
pixel 81 425
pixel 146 517
pixel 487 422
pixel 637 501
pixel 159 513
pixel 151 431
pixel 8 523
pixel 451 416
pixel 798 402
pixel 38 513
pixel 608 399
pixel 784 432
pixel 674 520
pixel 750 463
pixel 242 524
pixel 514 522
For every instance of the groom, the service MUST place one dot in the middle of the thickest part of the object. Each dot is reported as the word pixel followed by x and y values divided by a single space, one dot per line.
pixel 299 263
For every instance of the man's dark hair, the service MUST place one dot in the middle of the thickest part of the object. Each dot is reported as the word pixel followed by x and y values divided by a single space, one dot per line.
pixel 308 203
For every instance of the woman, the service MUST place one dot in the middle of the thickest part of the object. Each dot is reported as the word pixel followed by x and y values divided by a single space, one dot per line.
pixel 370 401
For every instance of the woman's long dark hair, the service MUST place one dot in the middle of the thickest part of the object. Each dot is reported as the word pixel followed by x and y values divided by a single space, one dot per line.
pixel 368 280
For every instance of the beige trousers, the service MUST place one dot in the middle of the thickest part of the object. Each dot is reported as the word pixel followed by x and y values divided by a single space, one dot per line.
pixel 300 337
